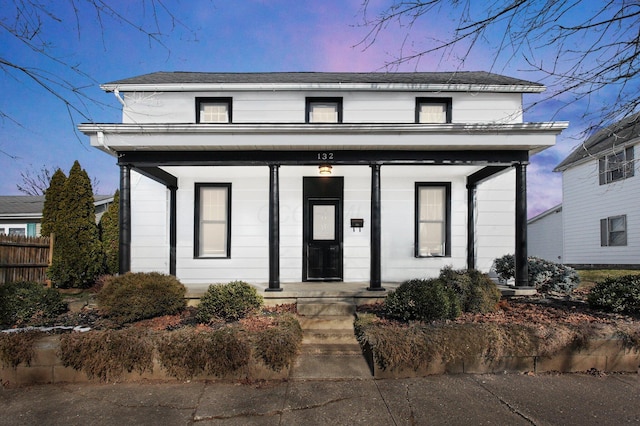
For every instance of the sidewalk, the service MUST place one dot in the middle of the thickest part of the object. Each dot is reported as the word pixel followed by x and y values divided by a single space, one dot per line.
pixel 570 399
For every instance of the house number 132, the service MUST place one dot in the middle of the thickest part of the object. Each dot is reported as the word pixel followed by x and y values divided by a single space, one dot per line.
pixel 325 156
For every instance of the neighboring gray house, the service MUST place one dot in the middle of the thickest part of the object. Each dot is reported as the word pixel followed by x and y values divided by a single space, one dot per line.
pixel 544 233
pixel 601 199
pixel 344 177
pixel 22 214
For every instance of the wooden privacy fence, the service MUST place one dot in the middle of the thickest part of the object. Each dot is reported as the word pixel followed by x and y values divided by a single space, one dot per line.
pixel 24 258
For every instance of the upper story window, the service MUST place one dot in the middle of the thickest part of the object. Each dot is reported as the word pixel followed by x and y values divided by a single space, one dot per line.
pixel 213 110
pixel 433 219
pixel 324 110
pixel 616 166
pixel 433 110
pixel 613 231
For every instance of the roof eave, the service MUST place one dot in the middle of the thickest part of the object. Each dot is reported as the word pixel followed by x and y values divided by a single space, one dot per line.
pixel 218 87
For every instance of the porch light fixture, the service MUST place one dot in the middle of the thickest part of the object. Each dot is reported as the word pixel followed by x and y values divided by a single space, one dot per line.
pixel 324 170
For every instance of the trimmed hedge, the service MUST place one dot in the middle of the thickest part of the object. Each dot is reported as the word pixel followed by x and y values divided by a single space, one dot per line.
pixel 137 296
pixel 476 291
pixel 229 302
pixel 422 300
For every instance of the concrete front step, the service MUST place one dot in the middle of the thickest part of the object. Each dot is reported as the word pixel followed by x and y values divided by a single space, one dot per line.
pixel 328 336
pixel 320 307
pixel 331 349
pixel 328 322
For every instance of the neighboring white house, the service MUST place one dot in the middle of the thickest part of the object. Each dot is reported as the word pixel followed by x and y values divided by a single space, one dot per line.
pixel 601 199
pixel 22 214
pixel 293 177
pixel 544 235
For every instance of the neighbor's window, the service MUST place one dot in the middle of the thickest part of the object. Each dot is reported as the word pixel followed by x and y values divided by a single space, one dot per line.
pixel 433 110
pixel 213 110
pixel 616 166
pixel 433 219
pixel 613 231
pixel 212 220
pixel 324 110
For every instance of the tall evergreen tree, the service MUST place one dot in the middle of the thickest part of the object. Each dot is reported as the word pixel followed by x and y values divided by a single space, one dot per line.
pixel 110 234
pixel 78 257
pixel 52 201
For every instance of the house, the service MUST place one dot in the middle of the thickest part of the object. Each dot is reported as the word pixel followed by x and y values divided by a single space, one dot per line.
pixel 544 235
pixel 278 178
pixel 22 214
pixel 600 193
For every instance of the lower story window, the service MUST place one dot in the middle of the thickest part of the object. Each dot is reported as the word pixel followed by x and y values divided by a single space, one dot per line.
pixel 212 220
pixel 433 219
pixel 613 231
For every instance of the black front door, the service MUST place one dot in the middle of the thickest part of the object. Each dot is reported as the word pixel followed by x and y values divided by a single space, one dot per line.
pixel 322 229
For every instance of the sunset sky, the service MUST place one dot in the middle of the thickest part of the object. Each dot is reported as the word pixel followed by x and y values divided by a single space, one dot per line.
pixel 37 129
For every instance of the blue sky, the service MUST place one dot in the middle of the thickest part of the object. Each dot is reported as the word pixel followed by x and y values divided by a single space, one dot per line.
pixel 211 35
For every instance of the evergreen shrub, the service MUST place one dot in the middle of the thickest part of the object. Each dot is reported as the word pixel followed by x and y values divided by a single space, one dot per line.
pixel 110 235
pixel 137 296
pixel 422 300
pixel 545 276
pixel 29 303
pixel 78 256
pixel 621 294
pixel 476 291
pixel 228 302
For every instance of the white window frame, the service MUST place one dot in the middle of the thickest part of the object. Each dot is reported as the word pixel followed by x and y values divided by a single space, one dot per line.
pixel 200 238
pixel 616 166
pixel 613 231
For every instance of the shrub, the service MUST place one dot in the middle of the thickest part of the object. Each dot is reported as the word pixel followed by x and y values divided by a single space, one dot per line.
pixel 188 352
pixel 228 302
pixel 16 348
pixel 422 300
pixel 621 294
pixel 108 354
pixel 277 346
pixel 78 257
pixel 136 296
pixel 545 276
pixel 476 291
pixel 29 303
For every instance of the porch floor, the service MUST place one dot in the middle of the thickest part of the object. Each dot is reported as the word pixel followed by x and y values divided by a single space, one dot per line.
pixel 351 291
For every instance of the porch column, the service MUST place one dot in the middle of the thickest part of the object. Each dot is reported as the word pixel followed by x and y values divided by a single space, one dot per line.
pixel 471 225
pixel 125 219
pixel 521 262
pixel 375 283
pixel 274 228
pixel 173 232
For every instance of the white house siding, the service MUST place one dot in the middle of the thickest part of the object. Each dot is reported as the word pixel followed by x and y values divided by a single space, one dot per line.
pixel 585 202
pixel 544 236
pixel 249 234
pixel 149 225
pixel 495 219
pixel 289 106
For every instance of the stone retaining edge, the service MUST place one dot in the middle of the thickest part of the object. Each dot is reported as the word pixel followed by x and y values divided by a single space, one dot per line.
pixel 606 355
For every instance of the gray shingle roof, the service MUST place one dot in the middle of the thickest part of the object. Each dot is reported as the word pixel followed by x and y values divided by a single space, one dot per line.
pixel 14 205
pixel 617 135
pixel 468 77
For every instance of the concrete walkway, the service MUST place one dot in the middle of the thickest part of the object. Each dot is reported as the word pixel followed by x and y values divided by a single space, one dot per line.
pixel 455 400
